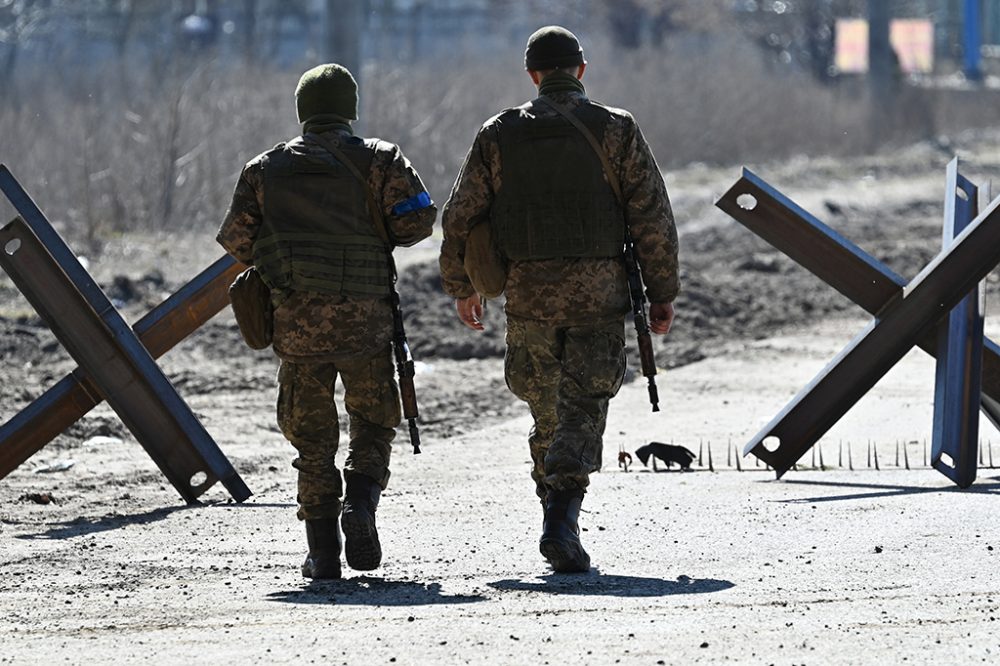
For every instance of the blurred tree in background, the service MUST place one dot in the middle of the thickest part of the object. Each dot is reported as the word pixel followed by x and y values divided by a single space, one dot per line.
pixel 138 114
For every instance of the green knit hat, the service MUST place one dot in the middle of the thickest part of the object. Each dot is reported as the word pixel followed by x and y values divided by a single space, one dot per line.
pixel 325 90
pixel 552 47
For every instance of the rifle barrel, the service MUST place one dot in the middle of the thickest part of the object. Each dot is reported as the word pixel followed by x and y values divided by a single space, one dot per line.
pixel 654 396
pixel 414 436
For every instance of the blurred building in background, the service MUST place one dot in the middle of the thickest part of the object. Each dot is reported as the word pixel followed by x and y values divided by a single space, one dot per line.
pixel 830 37
pixel 794 33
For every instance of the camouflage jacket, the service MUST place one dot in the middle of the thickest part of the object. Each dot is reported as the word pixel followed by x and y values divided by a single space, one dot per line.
pixel 311 327
pixel 568 291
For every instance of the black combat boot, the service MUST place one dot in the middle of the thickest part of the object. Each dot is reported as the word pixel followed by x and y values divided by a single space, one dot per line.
pixel 560 542
pixel 323 560
pixel 361 545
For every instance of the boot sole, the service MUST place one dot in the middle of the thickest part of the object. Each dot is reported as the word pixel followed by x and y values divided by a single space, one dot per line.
pixel 565 557
pixel 361 546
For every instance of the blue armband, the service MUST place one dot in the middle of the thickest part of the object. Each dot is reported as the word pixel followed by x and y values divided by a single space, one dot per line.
pixel 422 200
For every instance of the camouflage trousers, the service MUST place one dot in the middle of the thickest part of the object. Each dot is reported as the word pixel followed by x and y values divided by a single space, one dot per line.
pixel 307 416
pixel 567 375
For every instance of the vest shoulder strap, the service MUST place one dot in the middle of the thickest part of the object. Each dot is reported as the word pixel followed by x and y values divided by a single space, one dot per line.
pixel 376 214
pixel 594 143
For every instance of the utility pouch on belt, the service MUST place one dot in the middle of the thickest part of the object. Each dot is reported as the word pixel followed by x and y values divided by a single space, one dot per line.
pixel 251 300
pixel 485 266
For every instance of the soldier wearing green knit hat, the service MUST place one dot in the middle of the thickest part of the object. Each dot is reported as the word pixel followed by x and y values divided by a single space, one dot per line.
pixel 327 90
pixel 300 215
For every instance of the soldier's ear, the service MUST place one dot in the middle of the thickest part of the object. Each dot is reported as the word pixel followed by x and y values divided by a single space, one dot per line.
pixel 536 78
pixel 579 72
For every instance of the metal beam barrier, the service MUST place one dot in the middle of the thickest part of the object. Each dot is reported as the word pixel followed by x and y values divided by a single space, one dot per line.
pixel 74 395
pixel 144 399
pixel 59 288
pixel 959 371
pixel 840 263
pixel 904 317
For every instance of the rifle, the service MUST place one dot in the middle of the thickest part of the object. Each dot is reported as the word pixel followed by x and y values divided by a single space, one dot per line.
pixel 400 348
pixel 638 298
pixel 635 288
pixel 404 367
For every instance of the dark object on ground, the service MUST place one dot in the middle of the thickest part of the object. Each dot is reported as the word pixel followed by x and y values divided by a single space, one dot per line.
pixel 38 498
pixel 624 460
pixel 667 453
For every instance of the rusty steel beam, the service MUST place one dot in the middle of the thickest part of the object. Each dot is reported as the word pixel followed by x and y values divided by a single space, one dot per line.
pixel 958 373
pixel 901 323
pixel 840 263
pixel 97 337
pixel 815 246
pixel 74 395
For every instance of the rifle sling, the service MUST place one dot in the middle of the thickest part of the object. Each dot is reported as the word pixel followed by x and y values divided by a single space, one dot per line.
pixel 629 243
pixel 605 161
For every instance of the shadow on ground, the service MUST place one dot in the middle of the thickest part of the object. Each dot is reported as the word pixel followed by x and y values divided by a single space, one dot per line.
pixel 597 584
pixel 877 490
pixel 84 525
pixel 370 591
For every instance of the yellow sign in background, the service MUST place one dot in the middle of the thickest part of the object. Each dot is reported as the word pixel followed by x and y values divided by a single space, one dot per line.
pixel 911 39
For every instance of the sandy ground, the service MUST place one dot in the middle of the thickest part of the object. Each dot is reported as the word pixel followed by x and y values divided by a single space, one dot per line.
pixel 829 565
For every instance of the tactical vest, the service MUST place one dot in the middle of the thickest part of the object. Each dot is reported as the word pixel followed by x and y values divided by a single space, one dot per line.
pixel 554 201
pixel 316 233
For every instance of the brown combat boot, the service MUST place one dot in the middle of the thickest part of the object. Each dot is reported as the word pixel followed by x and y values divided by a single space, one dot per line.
pixel 323 560
pixel 560 542
pixel 361 545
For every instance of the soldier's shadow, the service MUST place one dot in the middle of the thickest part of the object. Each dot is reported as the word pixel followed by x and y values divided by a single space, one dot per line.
pixel 371 591
pixel 597 584
pixel 83 525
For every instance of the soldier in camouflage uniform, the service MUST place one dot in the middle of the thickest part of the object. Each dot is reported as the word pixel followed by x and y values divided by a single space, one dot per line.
pixel 537 181
pixel 300 216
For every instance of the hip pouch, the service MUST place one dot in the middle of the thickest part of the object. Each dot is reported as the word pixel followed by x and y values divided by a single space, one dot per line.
pixel 251 301
pixel 484 263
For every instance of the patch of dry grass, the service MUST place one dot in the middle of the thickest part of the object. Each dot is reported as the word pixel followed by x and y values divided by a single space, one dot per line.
pixel 132 147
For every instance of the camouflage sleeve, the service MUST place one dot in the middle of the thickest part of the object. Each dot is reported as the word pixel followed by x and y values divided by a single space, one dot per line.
pixel 469 204
pixel 651 220
pixel 239 228
pixel 407 207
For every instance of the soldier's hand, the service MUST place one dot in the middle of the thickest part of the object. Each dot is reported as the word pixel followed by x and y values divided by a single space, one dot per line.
pixel 661 316
pixel 470 311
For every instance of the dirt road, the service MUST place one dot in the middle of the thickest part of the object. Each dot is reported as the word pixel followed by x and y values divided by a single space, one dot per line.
pixel 100 562
pixel 832 567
